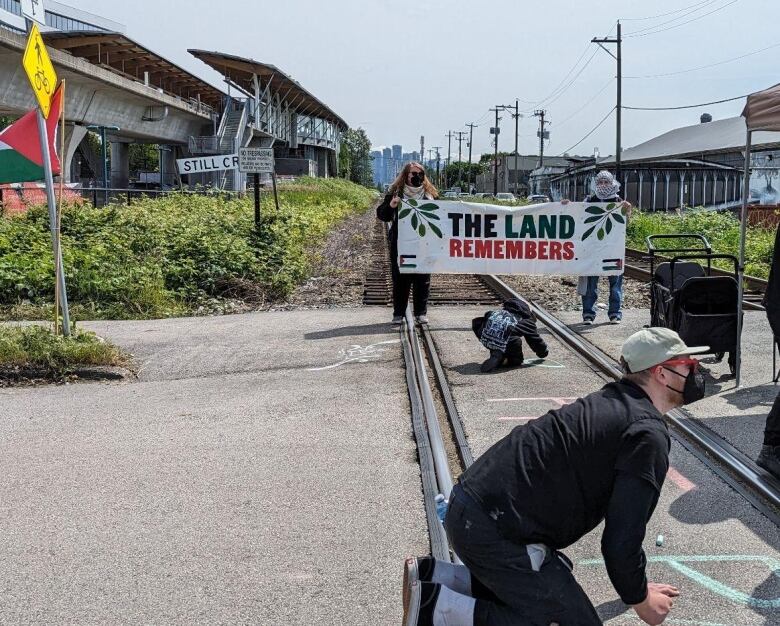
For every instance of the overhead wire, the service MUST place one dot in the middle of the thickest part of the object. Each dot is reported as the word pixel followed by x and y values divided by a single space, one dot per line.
pixel 642 33
pixel 687 106
pixel 593 130
pixel 653 17
pixel 704 67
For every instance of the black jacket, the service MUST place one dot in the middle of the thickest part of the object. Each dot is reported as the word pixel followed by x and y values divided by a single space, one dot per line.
pixel 771 300
pixel 524 326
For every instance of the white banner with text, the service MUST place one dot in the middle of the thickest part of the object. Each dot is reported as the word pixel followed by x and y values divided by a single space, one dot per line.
pixel 444 237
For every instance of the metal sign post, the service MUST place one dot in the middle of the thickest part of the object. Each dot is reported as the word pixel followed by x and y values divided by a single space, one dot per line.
pixel 43 80
pixel 258 161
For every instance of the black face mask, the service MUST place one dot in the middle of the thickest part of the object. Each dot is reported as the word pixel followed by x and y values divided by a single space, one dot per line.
pixel 417 179
pixel 693 389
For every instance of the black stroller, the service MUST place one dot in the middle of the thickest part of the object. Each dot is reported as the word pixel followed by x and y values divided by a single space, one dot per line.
pixel 685 297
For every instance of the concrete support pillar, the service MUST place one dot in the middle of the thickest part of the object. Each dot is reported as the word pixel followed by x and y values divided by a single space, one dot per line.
pixel 120 165
pixel 73 136
pixel 667 177
pixel 655 188
pixel 168 166
pixel 641 184
pixel 682 189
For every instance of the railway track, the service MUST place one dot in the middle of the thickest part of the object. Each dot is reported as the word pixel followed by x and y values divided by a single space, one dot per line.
pixel 436 430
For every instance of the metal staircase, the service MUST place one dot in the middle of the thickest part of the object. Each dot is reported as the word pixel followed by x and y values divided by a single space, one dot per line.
pixel 232 129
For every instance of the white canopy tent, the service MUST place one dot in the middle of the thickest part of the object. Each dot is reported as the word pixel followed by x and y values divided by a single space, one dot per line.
pixel 761 113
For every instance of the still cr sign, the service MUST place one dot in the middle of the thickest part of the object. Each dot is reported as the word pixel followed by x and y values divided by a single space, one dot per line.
pixel 199 165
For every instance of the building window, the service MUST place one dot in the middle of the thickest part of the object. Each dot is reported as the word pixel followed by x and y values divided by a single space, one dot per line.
pixel 12 6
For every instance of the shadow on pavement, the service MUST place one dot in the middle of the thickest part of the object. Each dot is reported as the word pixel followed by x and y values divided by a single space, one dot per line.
pixel 352 331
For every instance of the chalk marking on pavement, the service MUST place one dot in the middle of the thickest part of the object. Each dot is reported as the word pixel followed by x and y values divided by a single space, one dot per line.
pixel 509 418
pixel 681 481
pixel 543 363
pixel 357 354
pixel 558 401
pixel 738 597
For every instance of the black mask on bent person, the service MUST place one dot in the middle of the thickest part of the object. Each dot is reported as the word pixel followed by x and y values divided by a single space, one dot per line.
pixel 693 390
pixel 417 179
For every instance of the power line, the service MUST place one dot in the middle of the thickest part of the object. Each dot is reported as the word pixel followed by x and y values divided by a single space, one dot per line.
pixel 561 89
pixel 679 17
pixel 582 108
pixel 593 130
pixel 653 17
pixel 687 106
pixel 642 33
pixel 704 67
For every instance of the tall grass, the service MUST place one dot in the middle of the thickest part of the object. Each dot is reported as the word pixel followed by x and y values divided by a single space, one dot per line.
pixel 721 229
pixel 164 257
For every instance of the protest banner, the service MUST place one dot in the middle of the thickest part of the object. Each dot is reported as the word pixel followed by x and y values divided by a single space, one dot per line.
pixel 578 238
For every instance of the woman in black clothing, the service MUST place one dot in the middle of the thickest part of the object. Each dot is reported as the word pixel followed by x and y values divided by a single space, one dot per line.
pixel 411 183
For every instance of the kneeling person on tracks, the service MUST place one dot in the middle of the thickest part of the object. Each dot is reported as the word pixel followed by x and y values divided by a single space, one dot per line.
pixel 501 332
pixel 550 482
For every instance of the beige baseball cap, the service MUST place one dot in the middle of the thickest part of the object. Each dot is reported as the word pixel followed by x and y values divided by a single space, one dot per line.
pixel 651 346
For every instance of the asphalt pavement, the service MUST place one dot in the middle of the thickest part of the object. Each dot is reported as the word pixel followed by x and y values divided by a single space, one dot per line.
pixel 261 470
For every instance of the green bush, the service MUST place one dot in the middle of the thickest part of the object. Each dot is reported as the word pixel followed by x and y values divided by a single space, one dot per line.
pixel 158 258
pixel 721 229
pixel 38 347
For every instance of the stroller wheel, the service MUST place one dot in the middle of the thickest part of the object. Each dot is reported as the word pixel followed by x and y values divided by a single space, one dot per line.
pixel 719 356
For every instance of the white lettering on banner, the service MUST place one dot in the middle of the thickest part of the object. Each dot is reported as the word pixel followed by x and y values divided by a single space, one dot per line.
pixel 198 165
pixel 578 238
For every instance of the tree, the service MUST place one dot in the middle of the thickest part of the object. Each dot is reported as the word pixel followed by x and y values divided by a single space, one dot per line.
pixel 144 157
pixel 457 173
pixel 355 157
pixel 5 121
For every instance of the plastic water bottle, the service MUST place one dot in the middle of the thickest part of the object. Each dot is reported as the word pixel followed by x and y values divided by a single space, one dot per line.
pixel 441 506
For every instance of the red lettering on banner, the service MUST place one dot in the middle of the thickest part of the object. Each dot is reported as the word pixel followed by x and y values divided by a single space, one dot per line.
pixel 543 245
pixel 456 247
pixel 483 249
pixel 555 250
pixel 514 249
pixel 568 251
pixel 498 251
pixel 530 249
pixel 468 248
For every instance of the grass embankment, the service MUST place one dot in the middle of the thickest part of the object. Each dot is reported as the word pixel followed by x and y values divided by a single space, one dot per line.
pixel 720 229
pixel 34 351
pixel 175 256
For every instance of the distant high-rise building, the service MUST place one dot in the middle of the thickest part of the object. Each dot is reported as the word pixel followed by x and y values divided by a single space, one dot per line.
pixel 387 164
pixel 398 159
pixel 377 163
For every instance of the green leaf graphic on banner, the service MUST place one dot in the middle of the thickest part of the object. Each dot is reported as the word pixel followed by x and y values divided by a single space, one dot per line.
pixel 436 230
pixel 595 210
pixel 593 218
pixel 429 207
pixel 609 226
pixel 403 213
pixel 414 220
pixel 422 230
pixel 600 234
pixel 587 233
pixel 618 218
pixel 412 201
pixel 610 206
pixel 431 216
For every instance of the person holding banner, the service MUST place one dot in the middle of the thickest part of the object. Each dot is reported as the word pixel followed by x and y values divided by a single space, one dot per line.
pixel 606 190
pixel 548 483
pixel 410 183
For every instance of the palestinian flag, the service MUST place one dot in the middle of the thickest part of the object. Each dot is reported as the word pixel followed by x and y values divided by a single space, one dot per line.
pixel 20 147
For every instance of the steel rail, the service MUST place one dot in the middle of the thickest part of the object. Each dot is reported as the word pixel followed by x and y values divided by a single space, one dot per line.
pixel 733 466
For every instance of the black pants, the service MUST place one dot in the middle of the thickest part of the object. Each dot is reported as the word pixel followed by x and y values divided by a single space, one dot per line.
pixel 402 283
pixel 772 430
pixel 524 596
pixel 514 347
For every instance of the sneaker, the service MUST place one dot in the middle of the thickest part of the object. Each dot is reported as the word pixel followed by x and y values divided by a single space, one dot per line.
pixel 614 320
pixel 416 570
pixel 398 320
pixel 422 319
pixel 769 459
pixel 496 357
pixel 587 321
pixel 422 602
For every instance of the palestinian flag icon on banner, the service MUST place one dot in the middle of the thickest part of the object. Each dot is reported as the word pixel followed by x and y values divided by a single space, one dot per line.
pixel 20 148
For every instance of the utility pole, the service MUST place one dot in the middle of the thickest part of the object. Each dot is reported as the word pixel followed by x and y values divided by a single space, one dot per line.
pixel 540 113
pixel 471 141
pixel 494 131
pixel 438 177
pixel 460 134
pixel 619 108
pixel 447 161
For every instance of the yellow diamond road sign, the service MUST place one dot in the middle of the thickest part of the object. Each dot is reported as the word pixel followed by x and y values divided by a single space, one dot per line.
pixel 40 71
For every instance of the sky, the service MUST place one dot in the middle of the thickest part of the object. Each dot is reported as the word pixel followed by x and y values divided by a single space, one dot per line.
pixel 405 68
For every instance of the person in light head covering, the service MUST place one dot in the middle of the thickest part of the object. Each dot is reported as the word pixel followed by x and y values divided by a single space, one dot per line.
pixel 605 189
